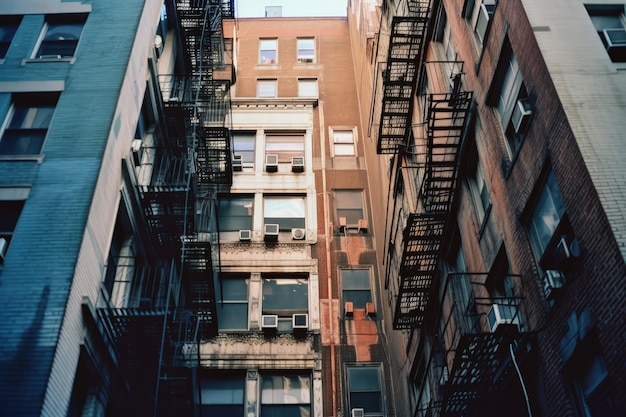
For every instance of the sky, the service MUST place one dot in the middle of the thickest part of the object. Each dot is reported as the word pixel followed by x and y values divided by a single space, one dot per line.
pixel 292 8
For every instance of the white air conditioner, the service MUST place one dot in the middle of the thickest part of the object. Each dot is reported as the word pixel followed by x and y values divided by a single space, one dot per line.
pixel 357 412
pixel 553 280
pixel 245 235
pixel 3 249
pixel 615 41
pixel 300 321
pixel 135 148
pixel 237 162
pixel 269 321
pixel 271 232
pixel 271 163
pixel 298 234
pixel 297 164
pixel 501 315
pixel 521 115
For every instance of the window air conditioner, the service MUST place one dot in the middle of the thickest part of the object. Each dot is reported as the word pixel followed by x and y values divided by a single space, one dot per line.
pixel 271 163
pixel 271 232
pixel 501 315
pixel 305 60
pixel 362 226
pixel 300 321
pixel 357 412
pixel 3 249
pixel 348 308
pixel 297 164
pixel 521 115
pixel 370 310
pixel 237 162
pixel 245 235
pixel 615 42
pixel 553 281
pixel 269 321
pixel 298 234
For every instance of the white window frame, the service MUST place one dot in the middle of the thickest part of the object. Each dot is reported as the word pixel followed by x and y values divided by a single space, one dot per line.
pixel 303 56
pixel 267 88
pixel 264 45
pixel 285 144
pixel 307 88
pixel 343 144
pixel 67 19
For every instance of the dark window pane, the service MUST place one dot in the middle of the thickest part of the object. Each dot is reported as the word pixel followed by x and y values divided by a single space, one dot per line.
pixel 363 379
pixel 22 142
pixel 355 279
pixel 222 410
pixel 369 401
pixel 232 316
pixel 359 298
pixel 285 295
pixel 9 214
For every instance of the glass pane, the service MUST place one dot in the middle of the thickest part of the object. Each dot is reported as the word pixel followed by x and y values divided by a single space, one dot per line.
pixel 223 389
pixel 369 401
pixel 352 216
pixel 235 213
pixel 243 144
pixel 266 89
pixel 234 289
pixel 7 32
pixel 359 298
pixel 348 199
pixel 31 117
pixel 63 31
pixel 222 410
pixel 283 207
pixel 341 150
pixel 62 48
pixel 355 279
pixel 307 88
pixel 286 411
pixel 9 214
pixel 343 136
pixel 285 296
pixel 22 142
pixel 306 44
pixel 285 389
pixel 232 316
pixel 363 379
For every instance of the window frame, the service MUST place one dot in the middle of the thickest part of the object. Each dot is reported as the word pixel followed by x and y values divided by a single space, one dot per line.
pixel 246 199
pixel 267 82
pixel 600 14
pixel 350 194
pixel 8 28
pixel 291 302
pixel 285 144
pixel 224 381
pixel 226 301
pixel 308 82
pixel 267 399
pixel 338 143
pixel 347 288
pixel 62 45
pixel 20 112
pixel 242 137
pixel 262 49
pixel 303 57
pixel 15 199
pixel 298 205
pixel 350 383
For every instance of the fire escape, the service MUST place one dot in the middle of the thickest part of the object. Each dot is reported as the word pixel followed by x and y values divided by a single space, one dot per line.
pixel 181 179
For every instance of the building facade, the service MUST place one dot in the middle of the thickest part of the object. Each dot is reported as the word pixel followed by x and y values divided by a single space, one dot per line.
pixel 503 247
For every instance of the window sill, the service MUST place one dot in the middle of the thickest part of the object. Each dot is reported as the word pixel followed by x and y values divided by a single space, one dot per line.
pixel 267 67
pixel 10 158
pixel 71 60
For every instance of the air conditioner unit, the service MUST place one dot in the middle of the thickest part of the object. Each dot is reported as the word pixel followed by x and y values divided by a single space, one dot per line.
pixel 135 148
pixel 501 315
pixel 553 281
pixel 348 308
pixel 615 42
pixel 357 412
pixel 565 252
pixel 297 164
pixel 298 234
pixel 370 310
pixel 237 163
pixel 271 163
pixel 304 60
pixel 245 235
pixel 362 225
pixel 3 249
pixel 300 321
pixel 269 321
pixel 521 115
pixel 271 232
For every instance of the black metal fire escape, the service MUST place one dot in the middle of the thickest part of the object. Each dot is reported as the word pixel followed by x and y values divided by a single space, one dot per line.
pixel 180 182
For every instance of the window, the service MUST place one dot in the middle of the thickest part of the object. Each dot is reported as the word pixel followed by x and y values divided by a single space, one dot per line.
pixel 610 24
pixel 478 189
pixel 243 144
pixel 286 395
pixel 546 217
pixel 266 88
pixel 121 263
pixel 235 213
pixel 356 287
pixel 285 296
pixel 343 143
pixel 28 122
pixel 365 389
pixel 287 211
pixel 349 204
pixel 268 51
pixel 11 205
pixel 512 94
pixel 61 35
pixel 8 27
pixel 480 14
pixel 306 50
pixel 232 310
pixel 286 146
pixel 307 88
pixel 222 394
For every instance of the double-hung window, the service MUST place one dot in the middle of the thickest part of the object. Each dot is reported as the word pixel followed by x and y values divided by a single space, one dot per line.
pixel 8 27
pixel 286 395
pixel 222 394
pixel 232 309
pixel 266 88
pixel 61 36
pixel 349 206
pixel 11 205
pixel 610 23
pixel 288 212
pixel 478 188
pixel 243 147
pixel 355 284
pixel 343 143
pixel 235 212
pixel 365 389
pixel 27 124
pixel 268 51
pixel 306 50
pixel 307 88
pixel 480 13
pixel 285 146
pixel 284 296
